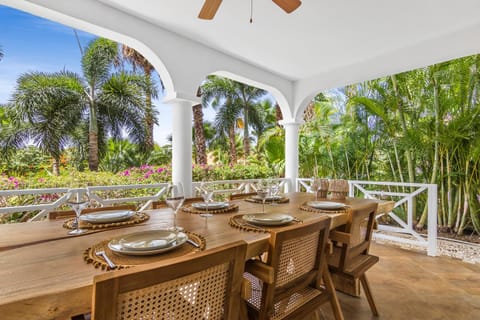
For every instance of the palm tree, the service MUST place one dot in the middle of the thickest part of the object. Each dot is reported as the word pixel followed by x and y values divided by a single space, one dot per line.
pixel 45 110
pixel 137 60
pixel 245 99
pixel 114 102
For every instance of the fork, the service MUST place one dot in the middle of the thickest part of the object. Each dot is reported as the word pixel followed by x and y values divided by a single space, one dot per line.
pixel 106 258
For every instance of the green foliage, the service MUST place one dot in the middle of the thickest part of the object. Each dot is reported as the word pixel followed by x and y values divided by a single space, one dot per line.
pixel 226 172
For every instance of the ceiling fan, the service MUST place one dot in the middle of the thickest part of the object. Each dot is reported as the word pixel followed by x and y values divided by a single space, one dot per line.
pixel 210 7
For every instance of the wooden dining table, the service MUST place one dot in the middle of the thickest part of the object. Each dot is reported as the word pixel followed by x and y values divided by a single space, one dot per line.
pixel 43 274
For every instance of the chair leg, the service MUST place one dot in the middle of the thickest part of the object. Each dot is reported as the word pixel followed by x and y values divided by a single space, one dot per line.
pixel 368 293
pixel 327 279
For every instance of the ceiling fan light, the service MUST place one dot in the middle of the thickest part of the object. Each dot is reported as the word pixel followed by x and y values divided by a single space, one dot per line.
pixel 288 5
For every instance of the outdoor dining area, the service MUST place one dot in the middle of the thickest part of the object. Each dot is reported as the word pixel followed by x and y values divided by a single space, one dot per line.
pixel 253 255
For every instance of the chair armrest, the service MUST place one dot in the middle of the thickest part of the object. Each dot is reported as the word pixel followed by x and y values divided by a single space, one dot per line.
pixel 260 270
pixel 339 236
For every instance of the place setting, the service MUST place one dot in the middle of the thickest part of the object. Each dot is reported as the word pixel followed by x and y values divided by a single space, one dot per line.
pixel 142 247
pixel 97 218
pixel 268 192
pixel 149 245
pixel 262 221
pixel 209 207
pixel 324 206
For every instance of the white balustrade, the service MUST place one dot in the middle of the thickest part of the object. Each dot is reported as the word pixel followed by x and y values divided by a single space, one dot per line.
pixel 405 196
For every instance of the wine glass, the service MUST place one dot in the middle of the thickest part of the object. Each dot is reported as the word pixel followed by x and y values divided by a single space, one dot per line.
pixel 262 192
pixel 315 186
pixel 207 193
pixel 78 199
pixel 174 200
pixel 274 191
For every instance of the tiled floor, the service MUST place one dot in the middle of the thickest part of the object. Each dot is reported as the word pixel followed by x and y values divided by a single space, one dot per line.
pixel 410 285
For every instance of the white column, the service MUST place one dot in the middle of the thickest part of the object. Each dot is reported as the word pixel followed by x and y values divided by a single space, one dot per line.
pixel 291 152
pixel 182 143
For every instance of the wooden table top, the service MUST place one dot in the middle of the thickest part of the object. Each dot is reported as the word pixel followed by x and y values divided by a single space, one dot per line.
pixel 43 275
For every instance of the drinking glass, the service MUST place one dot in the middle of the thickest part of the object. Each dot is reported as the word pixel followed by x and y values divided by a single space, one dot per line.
pixel 207 193
pixel 78 199
pixel 274 191
pixel 315 186
pixel 174 200
pixel 262 192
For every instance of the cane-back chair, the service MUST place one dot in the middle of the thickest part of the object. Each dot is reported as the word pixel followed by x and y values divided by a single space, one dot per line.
pixel 206 285
pixel 350 258
pixel 289 284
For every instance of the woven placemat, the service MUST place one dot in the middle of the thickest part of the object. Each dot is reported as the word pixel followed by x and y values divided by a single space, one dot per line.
pixel 231 207
pixel 306 207
pixel 125 261
pixel 138 217
pixel 279 200
pixel 237 221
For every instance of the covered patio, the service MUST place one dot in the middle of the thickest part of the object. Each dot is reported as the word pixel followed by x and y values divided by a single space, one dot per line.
pixel 322 45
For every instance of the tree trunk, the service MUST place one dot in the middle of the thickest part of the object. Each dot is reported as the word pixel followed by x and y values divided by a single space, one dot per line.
pixel 233 150
pixel 246 138
pixel 200 144
pixel 56 166
pixel 278 115
pixel 93 138
pixel 149 120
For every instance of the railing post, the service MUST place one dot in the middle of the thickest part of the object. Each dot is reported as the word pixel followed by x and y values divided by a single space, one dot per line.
pixel 432 220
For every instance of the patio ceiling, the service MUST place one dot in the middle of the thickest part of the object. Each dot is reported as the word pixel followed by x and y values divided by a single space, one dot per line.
pixel 321 35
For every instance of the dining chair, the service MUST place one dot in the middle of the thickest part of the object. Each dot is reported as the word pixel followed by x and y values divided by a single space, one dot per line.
pixel 350 258
pixel 54 215
pixel 289 284
pixel 206 285
pixel 238 196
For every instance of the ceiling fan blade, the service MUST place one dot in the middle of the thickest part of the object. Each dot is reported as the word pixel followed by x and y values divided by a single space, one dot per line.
pixel 209 9
pixel 288 5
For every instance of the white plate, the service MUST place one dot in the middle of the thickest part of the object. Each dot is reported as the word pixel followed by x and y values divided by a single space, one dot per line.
pixel 107 216
pixel 148 240
pixel 268 219
pixel 118 247
pixel 327 205
pixel 211 205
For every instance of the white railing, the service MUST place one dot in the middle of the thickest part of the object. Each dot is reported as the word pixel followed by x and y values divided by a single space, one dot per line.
pixel 405 196
pixel 52 199
pixel 227 187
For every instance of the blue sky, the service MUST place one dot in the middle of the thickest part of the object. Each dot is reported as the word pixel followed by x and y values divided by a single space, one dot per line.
pixel 31 43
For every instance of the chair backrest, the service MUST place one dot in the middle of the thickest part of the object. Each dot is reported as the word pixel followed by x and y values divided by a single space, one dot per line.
pixel 358 235
pixel 206 285
pixel 54 215
pixel 297 257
